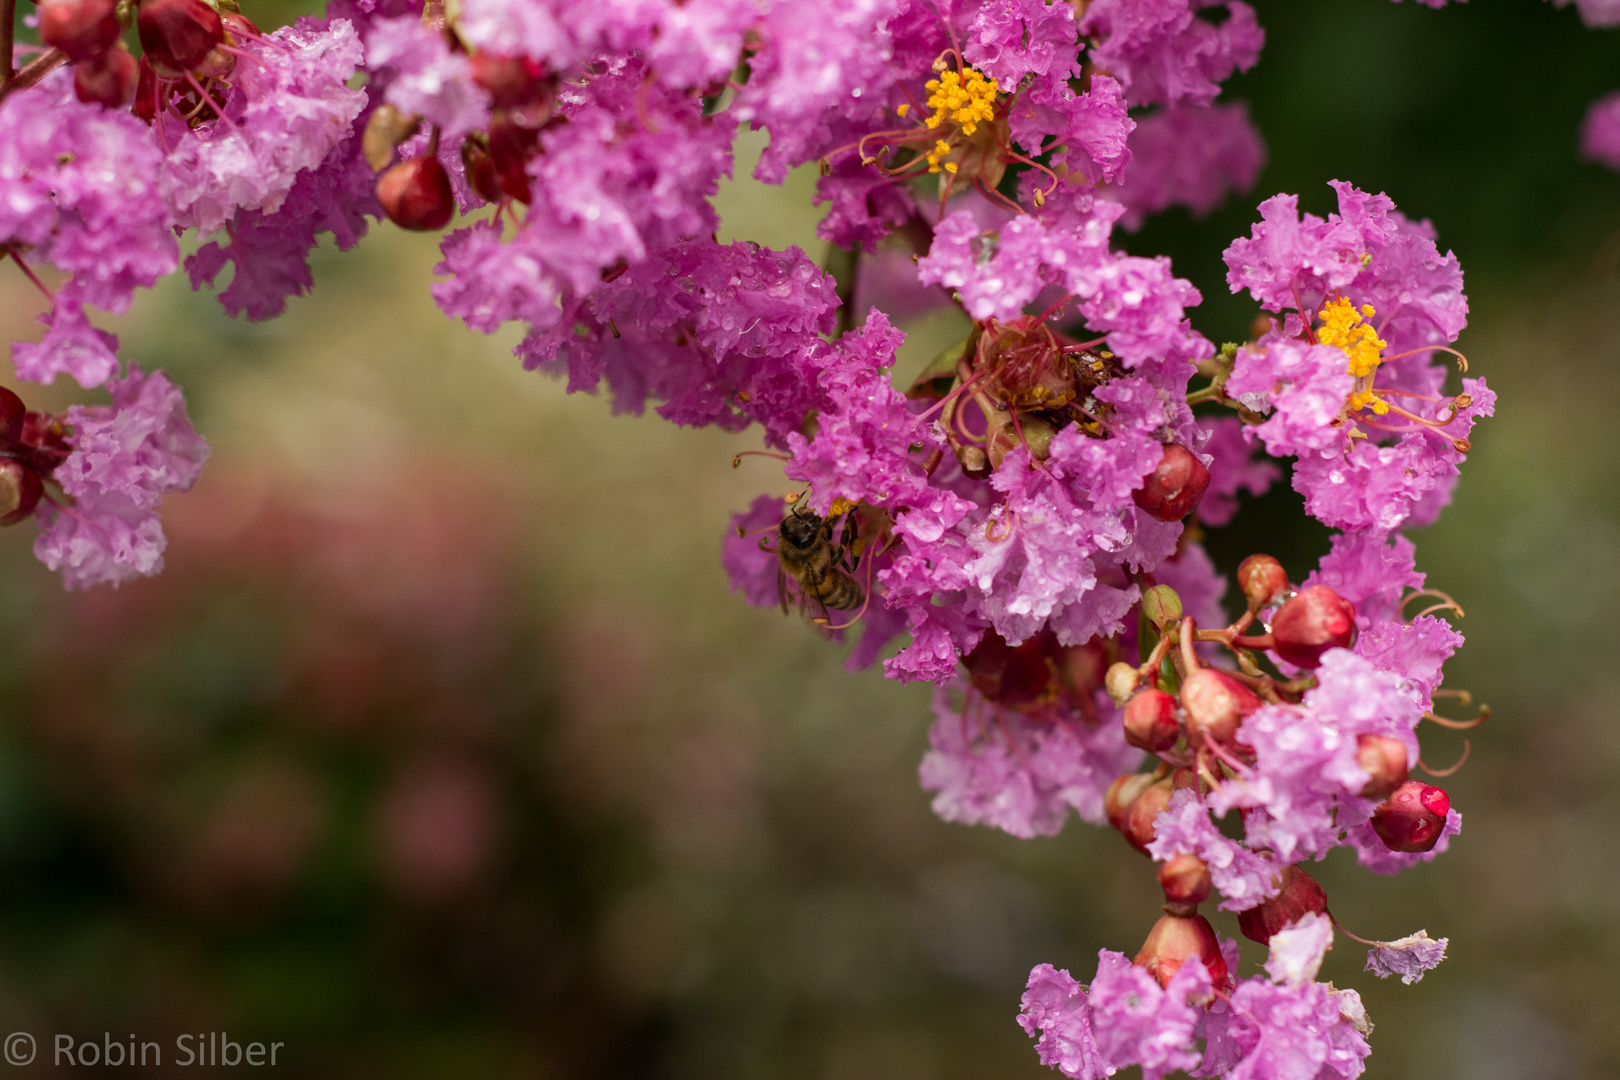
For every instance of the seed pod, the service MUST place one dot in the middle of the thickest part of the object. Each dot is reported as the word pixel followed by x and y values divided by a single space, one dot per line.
pixel 1176 939
pixel 1412 819
pixel 1175 487
pixel 1300 895
pixel 1037 433
pixel 1185 881
pixel 178 34
pixel 1262 579
pixel 1215 705
pixel 80 28
pixel 416 194
pixel 1384 760
pixel 20 490
pixel 108 79
pixel 1121 793
pixel 1150 721
pixel 1143 809
pixel 1314 621
pixel 1162 607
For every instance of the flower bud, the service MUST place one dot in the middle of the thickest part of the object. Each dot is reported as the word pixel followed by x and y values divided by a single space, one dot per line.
pixel 1412 818
pixel 1121 793
pixel 1161 606
pixel 108 79
pixel 80 28
pixel 1314 621
pixel 480 168
pixel 1215 704
pixel 12 411
pixel 416 194
pixel 1262 579
pixel 1120 681
pixel 178 34
pixel 1300 895
pixel 1176 939
pixel 1384 760
pixel 1186 884
pixel 1143 809
pixel 20 490
pixel 512 81
pixel 1175 487
pixel 1150 721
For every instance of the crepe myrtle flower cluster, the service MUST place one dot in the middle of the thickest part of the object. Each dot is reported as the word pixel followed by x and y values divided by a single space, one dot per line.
pixel 1025 514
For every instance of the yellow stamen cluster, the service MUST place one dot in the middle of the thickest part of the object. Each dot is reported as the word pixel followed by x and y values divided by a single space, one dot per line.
pixel 1342 326
pixel 964 98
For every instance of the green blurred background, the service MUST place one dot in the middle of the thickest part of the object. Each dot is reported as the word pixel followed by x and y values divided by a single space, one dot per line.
pixel 441 750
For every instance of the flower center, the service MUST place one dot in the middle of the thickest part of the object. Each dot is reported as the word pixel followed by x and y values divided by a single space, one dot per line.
pixel 1343 327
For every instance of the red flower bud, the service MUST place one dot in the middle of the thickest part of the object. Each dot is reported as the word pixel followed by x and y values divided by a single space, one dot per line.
pixel 1144 808
pixel 1384 760
pixel 510 147
pixel 1300 896
pixel 1412 818
pixel 512 81
pixel 1215 704
pixel 1173 941
pixel 480 167
pixel 1186 884
pixel 178 34
pixel 80 28
pixel 1121 793
pixel 12 411
pixel 1262 579
pixel 1175 487
pixel 416 194
pixel 20 490
pixel 1150 721
pixel 108 79
pixel 1314 621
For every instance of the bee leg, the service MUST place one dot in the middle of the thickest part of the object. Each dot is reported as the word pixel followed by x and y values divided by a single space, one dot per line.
pixel 782 589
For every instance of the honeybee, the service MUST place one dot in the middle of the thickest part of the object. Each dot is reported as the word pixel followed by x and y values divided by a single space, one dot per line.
pixel 805 549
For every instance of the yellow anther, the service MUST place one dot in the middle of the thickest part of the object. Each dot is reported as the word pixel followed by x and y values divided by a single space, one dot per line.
pixel 904 109
pixel 964 98
pixel 1342 327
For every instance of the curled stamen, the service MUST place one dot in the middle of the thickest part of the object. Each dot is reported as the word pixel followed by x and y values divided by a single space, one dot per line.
pixel 1463 696
pixel 1462 361
pixel 736 458
pixel 1460 725
pixel 1447 603
pixel 989 530
pixel 1443 773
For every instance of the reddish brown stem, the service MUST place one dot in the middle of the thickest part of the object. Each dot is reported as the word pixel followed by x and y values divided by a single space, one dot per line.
pixel 37 68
